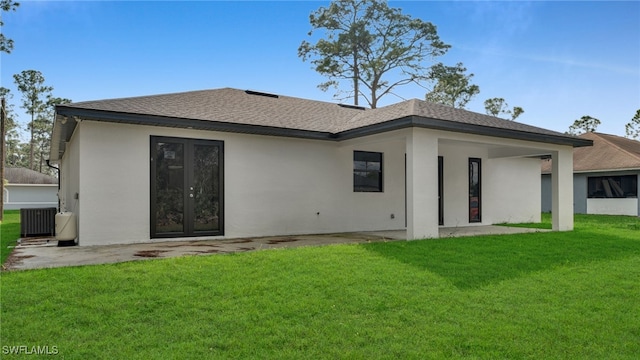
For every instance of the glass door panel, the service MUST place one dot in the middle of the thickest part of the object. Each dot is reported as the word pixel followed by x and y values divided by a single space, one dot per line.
pixel 186 187
pixel 169 194
pixel 206 188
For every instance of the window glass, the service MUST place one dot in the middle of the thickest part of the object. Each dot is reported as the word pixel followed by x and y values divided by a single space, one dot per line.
pixel 367 171
pixel 612 187
pixel 475 189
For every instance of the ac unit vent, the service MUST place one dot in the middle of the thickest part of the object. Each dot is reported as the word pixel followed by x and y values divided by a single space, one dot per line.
pixel 37 222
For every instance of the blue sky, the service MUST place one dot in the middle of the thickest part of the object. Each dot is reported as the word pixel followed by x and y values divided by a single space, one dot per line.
pixel 557 60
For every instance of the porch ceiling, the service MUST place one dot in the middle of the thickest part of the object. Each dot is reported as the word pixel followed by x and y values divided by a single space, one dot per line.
pixel 496 151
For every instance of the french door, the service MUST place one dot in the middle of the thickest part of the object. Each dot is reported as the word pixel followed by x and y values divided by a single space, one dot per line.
pixel 186 187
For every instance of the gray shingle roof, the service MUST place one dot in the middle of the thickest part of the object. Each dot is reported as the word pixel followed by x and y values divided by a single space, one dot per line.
pixel 27 176
pixel 609 152
pixel 232 106
pixel 243 111
pixel 431 110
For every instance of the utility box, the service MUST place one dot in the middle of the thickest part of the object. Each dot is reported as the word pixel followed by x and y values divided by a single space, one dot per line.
pixel 66 226
pixel 37 222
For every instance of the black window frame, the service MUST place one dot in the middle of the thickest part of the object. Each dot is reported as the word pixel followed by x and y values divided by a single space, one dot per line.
pixel 368 157
pixel 475 193
pixel 612 187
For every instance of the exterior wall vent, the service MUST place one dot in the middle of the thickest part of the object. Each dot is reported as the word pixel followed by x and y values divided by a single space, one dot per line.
pixel 37 222
pixel 251 92
pixel 356 107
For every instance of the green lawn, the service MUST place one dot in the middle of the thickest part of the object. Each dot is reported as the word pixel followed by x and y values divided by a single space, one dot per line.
pixel 9 232
pixel 568 295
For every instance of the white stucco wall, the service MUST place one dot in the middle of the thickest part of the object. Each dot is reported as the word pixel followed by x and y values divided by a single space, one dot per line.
pixel 613 206
pixel 513 190
pixel 283 186
pixel 273 185
pixel 510 185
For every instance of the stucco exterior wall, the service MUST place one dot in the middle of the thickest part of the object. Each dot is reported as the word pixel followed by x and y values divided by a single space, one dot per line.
pixel 580 194
pixel 613 206
pixel 456 182
pixel 513 190
pixel 24 196
pixel 510 186
pixel 273 185
pixel 287 186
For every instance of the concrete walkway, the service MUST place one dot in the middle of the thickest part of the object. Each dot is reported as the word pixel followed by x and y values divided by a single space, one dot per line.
pixel 46 254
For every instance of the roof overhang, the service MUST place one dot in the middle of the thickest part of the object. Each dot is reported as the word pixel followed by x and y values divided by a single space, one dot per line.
pixel 67 117
pixel 445 125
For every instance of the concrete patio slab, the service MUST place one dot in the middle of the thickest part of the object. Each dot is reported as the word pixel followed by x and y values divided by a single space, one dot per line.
pixel 46 254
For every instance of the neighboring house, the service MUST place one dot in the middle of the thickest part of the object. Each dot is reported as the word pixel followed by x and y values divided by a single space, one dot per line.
pixel 605 176
pixel 228 163
pixel 26 188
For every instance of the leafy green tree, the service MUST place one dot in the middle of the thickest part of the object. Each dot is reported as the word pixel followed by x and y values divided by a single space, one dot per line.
pixel 633 127
pixel 369 43
pixel 584 125
pixel 34 100
pixel 6 44
pixel 12 128
pixel 453 87
pixel 498 106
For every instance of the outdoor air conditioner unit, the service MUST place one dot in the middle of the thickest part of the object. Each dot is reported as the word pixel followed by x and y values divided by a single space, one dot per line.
pixel 37 222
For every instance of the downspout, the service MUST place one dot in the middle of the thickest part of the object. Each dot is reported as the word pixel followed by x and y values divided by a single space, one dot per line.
pixel 58 170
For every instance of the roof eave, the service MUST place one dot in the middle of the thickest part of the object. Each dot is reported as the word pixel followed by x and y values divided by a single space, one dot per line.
pixel 437 124
pixel 155 120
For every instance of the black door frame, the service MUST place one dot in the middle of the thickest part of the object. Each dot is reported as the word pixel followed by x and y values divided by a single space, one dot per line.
pixel 188 207
pixel 440 190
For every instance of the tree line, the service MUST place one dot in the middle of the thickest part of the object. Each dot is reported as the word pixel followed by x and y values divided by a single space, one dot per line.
pixel 38 102
pixel 590 124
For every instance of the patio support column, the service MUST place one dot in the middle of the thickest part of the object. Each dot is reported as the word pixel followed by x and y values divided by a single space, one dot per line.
pixel 562 190
pixel 422 184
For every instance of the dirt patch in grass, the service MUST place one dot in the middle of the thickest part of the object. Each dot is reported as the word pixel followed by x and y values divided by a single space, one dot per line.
pixel 14 259
pixel 149 253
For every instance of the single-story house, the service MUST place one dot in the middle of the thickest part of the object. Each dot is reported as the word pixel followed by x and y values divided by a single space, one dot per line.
pixel 229 163
pixel 605 176
pixel 26 189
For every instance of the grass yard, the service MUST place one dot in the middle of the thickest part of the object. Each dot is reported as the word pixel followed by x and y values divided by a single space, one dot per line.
pixel 9 232
pixel 572 295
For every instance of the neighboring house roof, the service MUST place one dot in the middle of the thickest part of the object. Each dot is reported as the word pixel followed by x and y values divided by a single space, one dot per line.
pixel 609 152
pixel 267 114
pixel 27 176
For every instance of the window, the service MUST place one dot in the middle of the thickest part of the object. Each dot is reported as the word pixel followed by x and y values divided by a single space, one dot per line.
pixel 475 190
pixel 613 187
pixel 367 171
